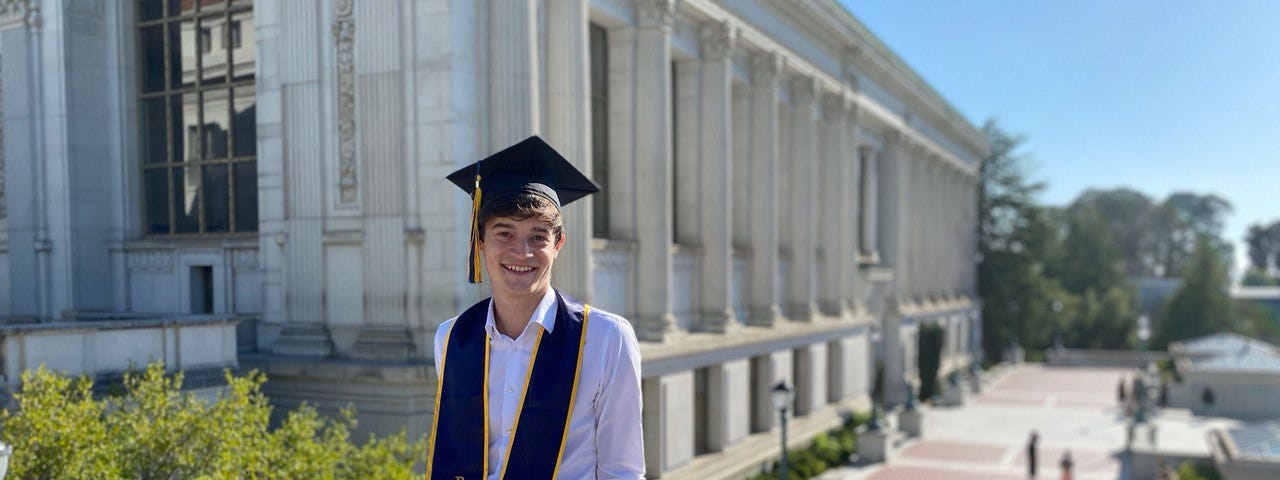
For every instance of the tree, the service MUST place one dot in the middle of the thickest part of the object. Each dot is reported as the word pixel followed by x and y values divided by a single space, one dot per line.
pixel 1180 220
pixel 157 431
pixel 1016 236
pixel 1264 246
pixel 1127 215
pixel 1202 305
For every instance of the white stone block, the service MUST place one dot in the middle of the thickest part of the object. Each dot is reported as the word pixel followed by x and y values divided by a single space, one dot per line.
pixel 875 446
pixel 811 378
pixel 668 422
pixel 728 390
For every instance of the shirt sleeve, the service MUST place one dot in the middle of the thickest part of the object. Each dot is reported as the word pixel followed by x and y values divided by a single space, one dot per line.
pixel 619 430
pixel 442 334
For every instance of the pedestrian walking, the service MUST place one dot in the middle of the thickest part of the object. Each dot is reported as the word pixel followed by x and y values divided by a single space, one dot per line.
pixel 1066 464
pixel 1031 454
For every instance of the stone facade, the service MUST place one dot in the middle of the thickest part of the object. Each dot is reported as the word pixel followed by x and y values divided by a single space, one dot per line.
pixel 785 200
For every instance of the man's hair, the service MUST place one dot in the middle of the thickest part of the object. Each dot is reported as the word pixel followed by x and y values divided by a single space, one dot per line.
pixel 520 206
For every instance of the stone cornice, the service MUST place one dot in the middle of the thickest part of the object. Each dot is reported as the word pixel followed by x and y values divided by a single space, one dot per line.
pixel 865 48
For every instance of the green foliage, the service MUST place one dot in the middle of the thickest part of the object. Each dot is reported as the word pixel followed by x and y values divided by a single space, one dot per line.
pixel 1264 245
pixel 1255 277
pixel 1201 306
pixel 930 359
pixel 1197 471
pixel 156 431
pixel 828 450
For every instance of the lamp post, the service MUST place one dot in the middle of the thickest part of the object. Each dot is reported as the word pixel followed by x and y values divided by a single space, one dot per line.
pixel 1144 334
pixel 782 397
pixel 6 451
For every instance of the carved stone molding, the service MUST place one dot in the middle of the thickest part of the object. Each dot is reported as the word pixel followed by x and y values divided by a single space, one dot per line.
pixel 764 68
pixel 834 107
pixel 656 13
pixel 718 40
pixel 19 12
pixel 244 259
pixel 803 90
pixel 344 33
pixel 155 261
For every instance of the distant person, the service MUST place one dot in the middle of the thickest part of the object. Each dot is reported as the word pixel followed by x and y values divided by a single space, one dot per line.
pixel 1066 464
pixel 1164 394
pixel 1120 391
pixel 1031 454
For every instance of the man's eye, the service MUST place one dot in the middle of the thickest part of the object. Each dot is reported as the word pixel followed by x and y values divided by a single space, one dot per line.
pixel 504 235
pixel 540 238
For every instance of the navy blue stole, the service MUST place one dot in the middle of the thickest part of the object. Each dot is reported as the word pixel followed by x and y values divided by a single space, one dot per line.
pixel 459 444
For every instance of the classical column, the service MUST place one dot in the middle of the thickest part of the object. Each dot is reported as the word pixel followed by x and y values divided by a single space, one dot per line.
pixel 302 253
pixel 513 72
pixel 800 225
pixel 765 67
pixel 653 169
pixel 852 196
pixel 29 275
pixel 568 129
pixel 385 247
pixel 895 211
pixel 715 177
pixel 833 183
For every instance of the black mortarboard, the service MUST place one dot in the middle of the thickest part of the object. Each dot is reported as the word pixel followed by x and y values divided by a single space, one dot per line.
pixel 530 166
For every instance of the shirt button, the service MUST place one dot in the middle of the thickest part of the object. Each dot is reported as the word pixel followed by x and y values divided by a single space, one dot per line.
pixel 510 390
pixel 513 348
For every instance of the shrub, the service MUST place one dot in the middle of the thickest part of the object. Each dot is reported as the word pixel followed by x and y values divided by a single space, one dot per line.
pixel 157 431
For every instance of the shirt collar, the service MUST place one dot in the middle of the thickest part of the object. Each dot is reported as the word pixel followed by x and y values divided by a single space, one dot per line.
pixel 543 316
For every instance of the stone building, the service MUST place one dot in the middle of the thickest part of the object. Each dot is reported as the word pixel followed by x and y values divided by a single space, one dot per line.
pixel 784 199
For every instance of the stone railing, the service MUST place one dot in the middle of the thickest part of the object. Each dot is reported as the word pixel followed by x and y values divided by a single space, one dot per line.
pixel 201 345
pixel 1070 357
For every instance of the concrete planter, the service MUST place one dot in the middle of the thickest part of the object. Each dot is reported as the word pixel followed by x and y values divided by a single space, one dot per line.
pixel 875 445
pixel 5 452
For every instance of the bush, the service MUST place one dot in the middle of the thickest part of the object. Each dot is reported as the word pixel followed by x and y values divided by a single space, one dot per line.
pixel 155 430
pixel 1196 471
pixel 828 450
pixel 929 342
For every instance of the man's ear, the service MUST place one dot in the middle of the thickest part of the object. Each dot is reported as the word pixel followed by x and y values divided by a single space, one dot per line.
pixel 563 236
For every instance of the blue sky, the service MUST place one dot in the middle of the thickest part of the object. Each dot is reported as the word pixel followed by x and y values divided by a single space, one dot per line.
pixel 1159 96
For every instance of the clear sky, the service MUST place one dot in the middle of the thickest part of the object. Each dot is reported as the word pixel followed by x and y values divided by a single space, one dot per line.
pixel 1155 95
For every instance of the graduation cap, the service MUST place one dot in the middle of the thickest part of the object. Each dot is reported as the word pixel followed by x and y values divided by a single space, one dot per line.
pixel 530 166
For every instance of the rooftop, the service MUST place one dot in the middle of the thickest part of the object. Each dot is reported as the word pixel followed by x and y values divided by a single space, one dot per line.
pixel 1259 440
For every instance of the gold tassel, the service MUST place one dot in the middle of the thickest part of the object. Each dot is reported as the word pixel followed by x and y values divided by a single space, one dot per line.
pixel 475 234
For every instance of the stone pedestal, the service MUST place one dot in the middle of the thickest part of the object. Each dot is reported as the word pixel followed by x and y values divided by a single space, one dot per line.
pixel 668 422
pixel 954 396
pixel 911 422
pixel 875 445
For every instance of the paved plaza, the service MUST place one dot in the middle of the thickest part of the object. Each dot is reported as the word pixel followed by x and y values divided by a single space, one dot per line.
pixel 1072 409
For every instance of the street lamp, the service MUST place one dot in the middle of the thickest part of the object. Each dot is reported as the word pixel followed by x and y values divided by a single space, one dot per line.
pixel 6 451
pixel 1144 334
pixel 782 397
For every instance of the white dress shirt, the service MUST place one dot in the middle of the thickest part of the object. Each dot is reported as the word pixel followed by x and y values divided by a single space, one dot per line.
pixel 605 437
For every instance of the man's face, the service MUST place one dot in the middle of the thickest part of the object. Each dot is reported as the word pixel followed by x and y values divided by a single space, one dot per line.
pixel 518 254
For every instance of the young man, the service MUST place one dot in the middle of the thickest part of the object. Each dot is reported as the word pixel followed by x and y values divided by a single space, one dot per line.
pixel 533 385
